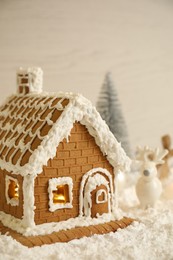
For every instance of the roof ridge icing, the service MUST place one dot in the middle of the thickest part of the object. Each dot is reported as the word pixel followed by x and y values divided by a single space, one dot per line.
pixel 50 118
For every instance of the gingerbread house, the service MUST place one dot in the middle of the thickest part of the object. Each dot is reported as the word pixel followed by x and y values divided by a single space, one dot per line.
pixel 58 159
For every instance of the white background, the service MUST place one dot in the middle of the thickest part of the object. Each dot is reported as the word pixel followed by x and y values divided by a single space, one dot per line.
pixel 76 42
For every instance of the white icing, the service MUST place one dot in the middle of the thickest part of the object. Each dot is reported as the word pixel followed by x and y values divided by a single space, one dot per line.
pixel 99 194
pixel 48 228
pixel 35 78
pixel 11 201
pixel 79 109
pixel 115 195
pixel 153 232
pixel 12 222
pixel 92 183
pixel 85 198
pixel 53 183
pixel 28 200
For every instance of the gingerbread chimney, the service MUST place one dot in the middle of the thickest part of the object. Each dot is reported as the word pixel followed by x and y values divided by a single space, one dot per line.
pixel 29 80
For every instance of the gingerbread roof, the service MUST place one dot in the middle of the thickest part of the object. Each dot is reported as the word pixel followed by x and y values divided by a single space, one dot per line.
pixel 32 126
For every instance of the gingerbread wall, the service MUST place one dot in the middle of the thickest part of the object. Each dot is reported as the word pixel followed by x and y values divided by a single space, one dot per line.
pixel 73 159
pixel 16 211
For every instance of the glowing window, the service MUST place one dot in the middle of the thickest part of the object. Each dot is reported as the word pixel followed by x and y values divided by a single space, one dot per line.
pixel 12 191
pixel 60 193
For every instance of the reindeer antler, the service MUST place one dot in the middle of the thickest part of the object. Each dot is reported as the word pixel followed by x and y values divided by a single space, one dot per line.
pixel 159 155
pixel 147 154
pixel 143 153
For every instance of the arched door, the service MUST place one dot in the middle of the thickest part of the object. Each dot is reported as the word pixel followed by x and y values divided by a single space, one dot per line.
pixel 100 201
pixel 96 193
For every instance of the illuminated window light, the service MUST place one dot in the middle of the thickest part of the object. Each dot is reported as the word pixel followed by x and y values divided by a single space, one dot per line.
pixel 12 191
pixel 61 194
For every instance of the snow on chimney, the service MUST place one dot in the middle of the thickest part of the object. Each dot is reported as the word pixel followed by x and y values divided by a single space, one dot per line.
pixel 29 80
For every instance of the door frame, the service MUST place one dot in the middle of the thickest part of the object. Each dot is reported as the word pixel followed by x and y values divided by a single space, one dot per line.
pixel 82 199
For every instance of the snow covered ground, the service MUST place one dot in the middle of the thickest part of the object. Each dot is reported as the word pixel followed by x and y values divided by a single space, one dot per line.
pixel 149 238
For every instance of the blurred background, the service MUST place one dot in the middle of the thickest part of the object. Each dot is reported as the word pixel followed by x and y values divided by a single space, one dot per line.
pixel 76 42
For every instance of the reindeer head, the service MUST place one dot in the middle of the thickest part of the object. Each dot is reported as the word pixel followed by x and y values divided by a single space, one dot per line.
pixel 149 159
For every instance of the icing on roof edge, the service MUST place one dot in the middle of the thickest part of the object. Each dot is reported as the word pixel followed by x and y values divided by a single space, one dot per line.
pixel 79 109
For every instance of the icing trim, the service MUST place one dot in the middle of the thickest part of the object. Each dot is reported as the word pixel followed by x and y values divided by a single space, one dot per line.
pixel 81 110
pixel 34 76
pixel 100 193
pixel 11 201
pixel 92 183
pixel 48 228
pixel 53 183
pixel 82 197
pixel 28 200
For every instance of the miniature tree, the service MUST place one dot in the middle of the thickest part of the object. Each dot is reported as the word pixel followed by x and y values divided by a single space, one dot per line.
pixel 109 107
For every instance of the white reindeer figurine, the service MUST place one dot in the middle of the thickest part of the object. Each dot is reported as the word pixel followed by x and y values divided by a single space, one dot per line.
pixel 149 187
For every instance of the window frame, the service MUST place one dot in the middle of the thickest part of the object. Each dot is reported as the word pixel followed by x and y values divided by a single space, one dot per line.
pixel 10 201
pixel 53 183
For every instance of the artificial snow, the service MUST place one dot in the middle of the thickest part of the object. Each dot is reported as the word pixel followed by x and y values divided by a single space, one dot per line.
pixel 150 237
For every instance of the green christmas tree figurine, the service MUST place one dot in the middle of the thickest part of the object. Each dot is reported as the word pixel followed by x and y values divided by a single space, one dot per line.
pixel 109 107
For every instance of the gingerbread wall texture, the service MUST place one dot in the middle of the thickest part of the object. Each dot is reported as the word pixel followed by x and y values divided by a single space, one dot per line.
pixel 73 159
